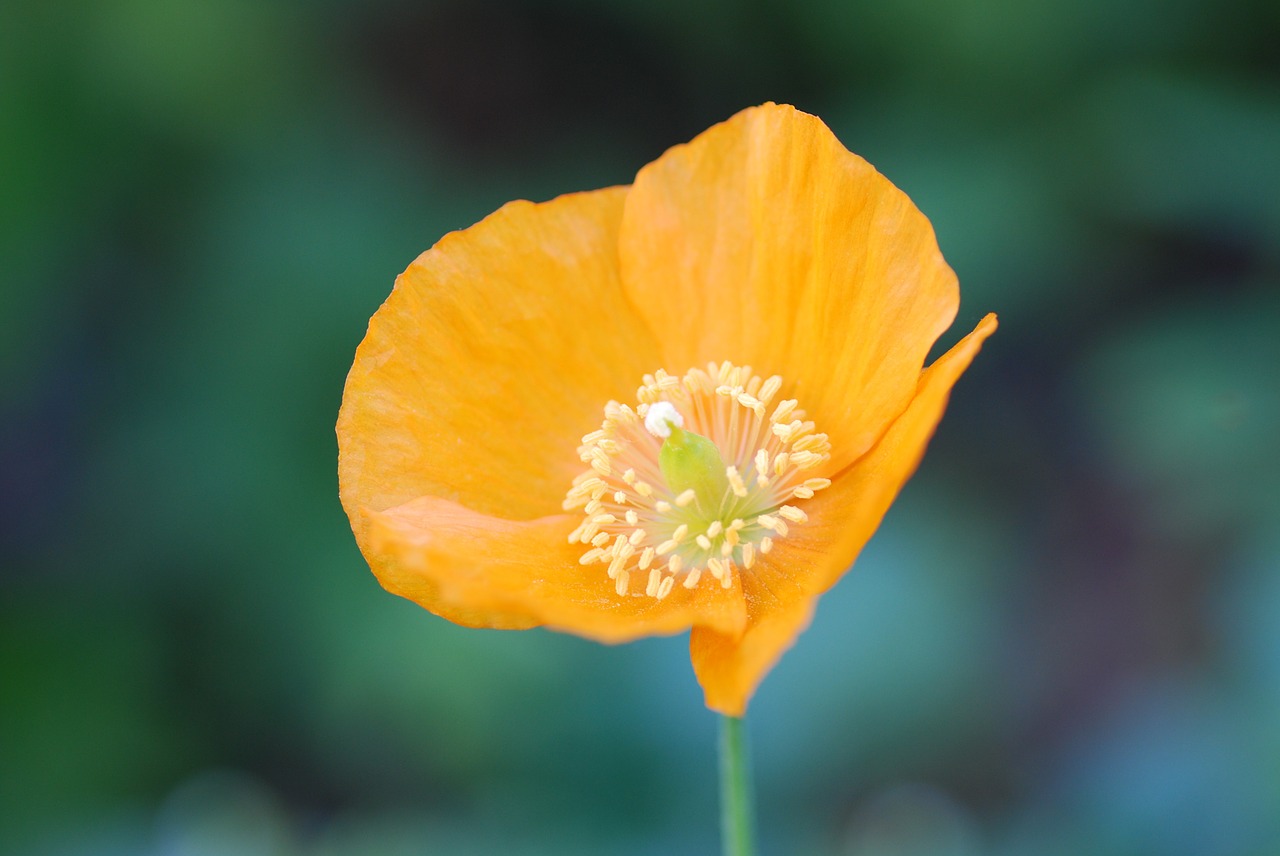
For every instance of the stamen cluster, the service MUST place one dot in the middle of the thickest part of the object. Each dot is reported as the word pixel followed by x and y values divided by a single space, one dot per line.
pixel 639 529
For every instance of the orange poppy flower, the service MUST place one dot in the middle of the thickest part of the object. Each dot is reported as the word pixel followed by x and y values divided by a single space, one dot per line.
pixel 501 469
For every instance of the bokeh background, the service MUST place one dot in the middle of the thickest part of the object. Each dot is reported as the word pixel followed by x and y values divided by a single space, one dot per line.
pixel 1064 640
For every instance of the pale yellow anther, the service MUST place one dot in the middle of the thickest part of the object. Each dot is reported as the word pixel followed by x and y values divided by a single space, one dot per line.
pixel 783 410
pixel 714 529
pixel 616 565
pixel 581 493
pixel 637 535
pixel 585 486
pixel 762 462
pixel 685 498
pixel 795 515
pixel 665 588
pixel 592 507
pixel 621 583
pixel 726 549
pixel 646 558
pixel 731 537
pixel 726 581
pixel 655 580
pixel 602 519
pixel 674 564
pixel 629 477
pixel 715 568
pixel 735 481
pixel 748 555
pixel 620 497
pixel 590 556
pixel 667 546
pixel 691 579
pixel 599 539
pixel 703 541
pixel 806 460
pixel 632 517
pixel 643 489
pixel 662 507
pixel 817 484
pixel 751 403
pixel 766 544
pixel 696 381
pixel 780 462
pixel 768 521
pixel 769 389
pixel 802 492
pixel 681 531
pixel 808 443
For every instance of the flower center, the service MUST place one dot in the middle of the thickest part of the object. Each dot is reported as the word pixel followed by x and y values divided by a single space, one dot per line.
pixel 695 482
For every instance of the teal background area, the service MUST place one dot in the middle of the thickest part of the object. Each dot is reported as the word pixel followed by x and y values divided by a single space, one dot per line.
pixel 1064 640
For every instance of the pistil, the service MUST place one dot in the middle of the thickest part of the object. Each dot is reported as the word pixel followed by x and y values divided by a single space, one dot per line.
pixel 695 481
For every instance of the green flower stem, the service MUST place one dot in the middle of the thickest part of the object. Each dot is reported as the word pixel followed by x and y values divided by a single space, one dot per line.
pixel 737 802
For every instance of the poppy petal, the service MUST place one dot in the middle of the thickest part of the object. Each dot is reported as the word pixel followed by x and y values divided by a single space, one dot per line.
pixel 765 242
pixel 503 573
pixel 491 358
pixel 781 592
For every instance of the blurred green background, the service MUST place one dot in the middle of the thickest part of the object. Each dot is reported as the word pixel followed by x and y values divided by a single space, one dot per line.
pixel 1064 640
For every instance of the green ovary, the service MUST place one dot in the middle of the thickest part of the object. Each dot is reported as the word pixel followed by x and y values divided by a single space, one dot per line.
pixel 688 460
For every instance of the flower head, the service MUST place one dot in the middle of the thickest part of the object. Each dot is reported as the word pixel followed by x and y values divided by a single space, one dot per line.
pixel 686 403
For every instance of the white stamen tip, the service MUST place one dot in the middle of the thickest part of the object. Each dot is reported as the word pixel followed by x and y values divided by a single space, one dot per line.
pixel 661 416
